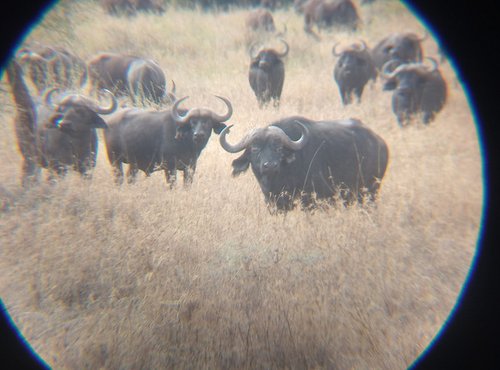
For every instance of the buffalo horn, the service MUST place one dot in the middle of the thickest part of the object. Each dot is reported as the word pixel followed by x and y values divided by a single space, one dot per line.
pixel 229 113
pixel 47 98
pixel 363 46
pixel 289 143
pixel 253 54
pixel 287 48
pixel 385 69
pixel 334 49
pixel 175 114
pixel 106 110
pixel 239 146
pixel 434 63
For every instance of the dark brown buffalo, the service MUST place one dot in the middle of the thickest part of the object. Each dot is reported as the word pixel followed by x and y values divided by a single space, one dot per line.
pixel 48 66
pixel 267 74
pixel 168 140
pixel 329 13
pixel 353 70
pixel 127 75
pixel 131 7
pixel 55 137
pixel 297 158
pixel 146 81
pixel 260 20
pixel 418 90
pixel 403 47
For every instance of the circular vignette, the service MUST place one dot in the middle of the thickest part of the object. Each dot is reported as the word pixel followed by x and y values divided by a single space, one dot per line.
pixel 468 333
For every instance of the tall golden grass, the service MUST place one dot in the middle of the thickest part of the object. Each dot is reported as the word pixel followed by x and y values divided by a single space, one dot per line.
pixel 139 276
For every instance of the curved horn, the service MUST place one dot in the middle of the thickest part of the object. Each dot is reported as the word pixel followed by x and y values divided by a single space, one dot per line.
pixel 107 110
pixel 363 46
pixel 334 49
pixel 424 37
pixel 236 147
pixel 287 49
pixel 229 113
pixel 385 69
pixel 434 63
pixel 289 143
pixel 175 114
pixel 252 52
pixel 173 89
pixel 47 97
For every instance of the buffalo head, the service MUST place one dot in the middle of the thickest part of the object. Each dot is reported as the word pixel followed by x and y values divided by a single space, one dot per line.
pixel 266 149
pixel 197 123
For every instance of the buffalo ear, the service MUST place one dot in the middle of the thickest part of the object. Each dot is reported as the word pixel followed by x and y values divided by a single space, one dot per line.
pixel 218 127
pixel 241 164
pixel 390 84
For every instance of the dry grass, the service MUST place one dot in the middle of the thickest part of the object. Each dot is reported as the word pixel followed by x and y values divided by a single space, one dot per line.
pixel 99 276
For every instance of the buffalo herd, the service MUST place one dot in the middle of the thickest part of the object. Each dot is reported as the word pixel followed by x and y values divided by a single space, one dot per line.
pixel 295 160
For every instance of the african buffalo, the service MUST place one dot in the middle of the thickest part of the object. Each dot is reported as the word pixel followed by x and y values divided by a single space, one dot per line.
pixel 267 74
pixel 299 158
pixel 403 47
pixel 146 80
pixel 169 140
pixel 55 137
pixel 127 75
pixel 418 89
pixel 260 20
pixel 48 66
pixel 328 13
pixel 353 70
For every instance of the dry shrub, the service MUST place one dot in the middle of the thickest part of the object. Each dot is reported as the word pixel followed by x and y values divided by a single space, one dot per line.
pixel 137 276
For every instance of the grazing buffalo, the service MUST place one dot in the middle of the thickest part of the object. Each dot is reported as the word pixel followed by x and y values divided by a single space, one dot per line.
pixel 48 66
pixel 297 158
pixel 418 89
pixel 55 137
pixel 353 70
pixel 402 47
pixel 127 75
pixel 169 140
pixel 328 13
pixel 260 20
pixel 131 7
pixel 267 74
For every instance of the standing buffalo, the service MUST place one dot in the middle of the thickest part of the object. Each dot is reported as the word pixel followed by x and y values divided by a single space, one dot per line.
pixel 353 70
pixel 328 13
pixel 127 75
pixel 418 89
pixel 55 137
pixel 48 66
pixel 300 158
pixel 169 140
pixel 267 74
pixel 260 20
pixel 402 47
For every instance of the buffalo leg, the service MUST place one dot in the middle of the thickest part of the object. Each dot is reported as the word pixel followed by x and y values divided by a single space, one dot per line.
pixel 188 173
pixel 359 91
pixel 131 173
pixel 171 174
pixel 118 172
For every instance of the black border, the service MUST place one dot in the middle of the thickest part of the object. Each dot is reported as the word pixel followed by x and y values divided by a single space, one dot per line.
pixel 469 33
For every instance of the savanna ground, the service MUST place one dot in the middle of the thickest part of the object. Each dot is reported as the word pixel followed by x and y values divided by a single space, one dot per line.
pixel 138 276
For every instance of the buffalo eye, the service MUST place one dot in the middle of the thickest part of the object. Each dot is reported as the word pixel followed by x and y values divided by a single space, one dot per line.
pixel 255 149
